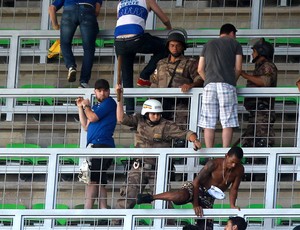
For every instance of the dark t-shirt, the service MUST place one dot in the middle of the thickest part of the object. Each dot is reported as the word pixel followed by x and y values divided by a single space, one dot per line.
pixel 220 55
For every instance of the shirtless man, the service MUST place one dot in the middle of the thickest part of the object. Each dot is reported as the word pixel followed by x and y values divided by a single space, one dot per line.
pixel 219 172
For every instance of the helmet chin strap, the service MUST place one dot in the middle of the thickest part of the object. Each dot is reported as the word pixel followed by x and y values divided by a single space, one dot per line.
pixel 255 59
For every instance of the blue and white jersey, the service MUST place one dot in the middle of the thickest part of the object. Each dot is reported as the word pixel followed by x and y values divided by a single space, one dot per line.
pixel 132 16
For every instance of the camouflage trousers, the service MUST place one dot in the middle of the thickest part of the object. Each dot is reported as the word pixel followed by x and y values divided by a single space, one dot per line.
pixel 205 201
pixel 260 131
pixel 137 179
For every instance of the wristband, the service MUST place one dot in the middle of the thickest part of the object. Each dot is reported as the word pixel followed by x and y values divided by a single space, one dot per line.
pixel 86 106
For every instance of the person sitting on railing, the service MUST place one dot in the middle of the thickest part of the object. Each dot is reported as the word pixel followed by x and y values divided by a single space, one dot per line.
pixel 82 13
pixel 99 121
pixel 260 131
pixel 176 71
pixel 130 39
pixel 153 131
pixel 213 179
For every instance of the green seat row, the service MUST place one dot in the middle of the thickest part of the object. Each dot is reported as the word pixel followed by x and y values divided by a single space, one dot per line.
pixel 39 160
pixel 8 221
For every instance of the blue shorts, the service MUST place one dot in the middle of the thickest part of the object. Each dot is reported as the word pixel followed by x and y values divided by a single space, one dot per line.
pixel 219 100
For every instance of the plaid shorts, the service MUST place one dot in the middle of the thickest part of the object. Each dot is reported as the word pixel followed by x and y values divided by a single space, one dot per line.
pixel 219 100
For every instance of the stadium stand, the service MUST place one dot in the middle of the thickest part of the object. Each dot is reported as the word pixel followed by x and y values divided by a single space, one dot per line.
pixel 51 119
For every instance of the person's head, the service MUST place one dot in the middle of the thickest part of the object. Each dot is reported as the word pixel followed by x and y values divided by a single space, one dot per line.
pixel 176 42
pixel 233 157
pixel 228 29
pixel 236 223
pixel 297 227
pixel 101 89
pixel 262 48
pixel 152 110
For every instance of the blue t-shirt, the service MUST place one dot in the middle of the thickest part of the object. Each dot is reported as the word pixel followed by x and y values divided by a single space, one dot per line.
pixel 60 3
pixel 101 131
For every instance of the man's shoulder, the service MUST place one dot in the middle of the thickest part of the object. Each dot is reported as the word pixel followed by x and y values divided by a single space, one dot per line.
pixel 163 61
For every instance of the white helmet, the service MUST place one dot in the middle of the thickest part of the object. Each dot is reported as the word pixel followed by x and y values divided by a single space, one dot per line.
pixel 152 106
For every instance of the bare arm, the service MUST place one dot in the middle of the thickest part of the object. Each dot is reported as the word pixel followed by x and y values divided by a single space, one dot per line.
pixel 238 66
pixel 160 14
pixel 120 109
pixel 257 80
pixel 53 17
pixel 82 117
pixel 86 114
pixel 201 179
pixel 234 188
pixel 97 9
pixel 201 67
pixel 187 87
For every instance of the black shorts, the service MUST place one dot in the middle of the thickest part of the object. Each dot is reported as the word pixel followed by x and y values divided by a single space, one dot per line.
pixel 99 166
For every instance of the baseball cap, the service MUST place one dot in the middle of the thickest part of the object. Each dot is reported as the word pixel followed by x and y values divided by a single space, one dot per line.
pixel 101 84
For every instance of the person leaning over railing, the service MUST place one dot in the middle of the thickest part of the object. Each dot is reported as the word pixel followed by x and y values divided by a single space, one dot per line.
pixel 177 71
pixel 214 178
pixel 220 66
pixel 152 131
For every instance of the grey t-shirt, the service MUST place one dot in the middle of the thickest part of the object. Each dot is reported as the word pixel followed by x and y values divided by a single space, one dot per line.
pixel 220 57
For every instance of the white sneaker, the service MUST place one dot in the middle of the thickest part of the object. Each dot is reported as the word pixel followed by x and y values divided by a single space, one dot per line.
pixel 72 74
pixel 84 174
pixel 84 85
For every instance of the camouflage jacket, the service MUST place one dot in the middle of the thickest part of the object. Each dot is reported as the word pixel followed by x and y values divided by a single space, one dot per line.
pixel 154 136
pixel 185 73
pixel 267 71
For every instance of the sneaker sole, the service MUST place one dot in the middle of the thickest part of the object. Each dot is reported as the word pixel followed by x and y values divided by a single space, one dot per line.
pixel 142 85
pixel 72 77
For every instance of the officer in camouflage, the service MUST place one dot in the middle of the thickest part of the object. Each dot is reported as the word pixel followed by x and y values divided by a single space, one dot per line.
pixel 177 71
pixel 153 131
pixel 260 132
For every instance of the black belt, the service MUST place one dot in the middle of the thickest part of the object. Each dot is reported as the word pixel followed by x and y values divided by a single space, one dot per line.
pixel 85 5
pixel 122 39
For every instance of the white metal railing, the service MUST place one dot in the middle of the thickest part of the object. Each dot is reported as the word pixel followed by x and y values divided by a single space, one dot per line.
pixel 163 156
pixel 15 51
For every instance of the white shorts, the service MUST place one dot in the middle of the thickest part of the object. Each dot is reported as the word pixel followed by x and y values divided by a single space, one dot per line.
pixel 219 100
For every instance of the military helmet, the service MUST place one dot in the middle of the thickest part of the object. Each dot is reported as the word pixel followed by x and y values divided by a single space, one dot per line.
pixel 178 35
pixel 264 48
pixel 152 106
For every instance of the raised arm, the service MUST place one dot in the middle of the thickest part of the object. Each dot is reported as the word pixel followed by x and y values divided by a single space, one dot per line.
pixel 152 4
pixel 53 18
pixel 97 9
pixel 82 117
pixel 120 109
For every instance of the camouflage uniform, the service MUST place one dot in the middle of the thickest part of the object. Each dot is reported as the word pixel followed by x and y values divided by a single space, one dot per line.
pixel 147 136
pixel 185 73
pixel 260 132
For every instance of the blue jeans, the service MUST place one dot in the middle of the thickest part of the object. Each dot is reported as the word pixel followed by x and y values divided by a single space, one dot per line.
pixel 84 17
pixel 128 48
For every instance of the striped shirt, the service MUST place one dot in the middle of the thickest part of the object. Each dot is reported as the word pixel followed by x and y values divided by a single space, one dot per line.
pixel 132 16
